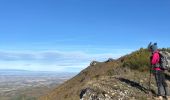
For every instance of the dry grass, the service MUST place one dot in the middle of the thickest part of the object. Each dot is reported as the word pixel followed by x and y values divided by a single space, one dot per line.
pixel 71 89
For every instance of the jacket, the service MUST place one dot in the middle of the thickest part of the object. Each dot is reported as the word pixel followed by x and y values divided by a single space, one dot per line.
pixel 155 60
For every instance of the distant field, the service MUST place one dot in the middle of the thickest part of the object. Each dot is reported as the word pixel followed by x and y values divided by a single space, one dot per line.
pixel 19 85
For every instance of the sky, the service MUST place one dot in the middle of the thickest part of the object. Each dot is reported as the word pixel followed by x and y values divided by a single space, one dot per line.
pixel 66 35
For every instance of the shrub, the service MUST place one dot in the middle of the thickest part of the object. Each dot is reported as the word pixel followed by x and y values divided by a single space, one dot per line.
pixel 139 60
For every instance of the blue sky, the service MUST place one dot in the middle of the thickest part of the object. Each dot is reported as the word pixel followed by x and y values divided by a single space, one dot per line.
pixel 66 35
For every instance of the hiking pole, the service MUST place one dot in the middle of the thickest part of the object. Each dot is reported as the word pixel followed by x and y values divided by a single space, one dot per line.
pixel 149 89
pixel 150 75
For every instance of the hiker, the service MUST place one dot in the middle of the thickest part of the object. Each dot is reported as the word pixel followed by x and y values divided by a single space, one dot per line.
pixel 158 72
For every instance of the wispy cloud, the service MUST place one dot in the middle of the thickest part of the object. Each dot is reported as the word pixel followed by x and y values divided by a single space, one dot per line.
pixel 50 60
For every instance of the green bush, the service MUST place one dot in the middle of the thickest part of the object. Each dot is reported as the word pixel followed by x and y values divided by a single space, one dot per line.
pixel 139 60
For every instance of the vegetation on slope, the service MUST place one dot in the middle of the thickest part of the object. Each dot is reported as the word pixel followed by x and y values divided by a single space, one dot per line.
pixel 138 60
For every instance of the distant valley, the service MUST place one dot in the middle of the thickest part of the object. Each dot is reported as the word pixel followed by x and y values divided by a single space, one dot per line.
pixel 21 84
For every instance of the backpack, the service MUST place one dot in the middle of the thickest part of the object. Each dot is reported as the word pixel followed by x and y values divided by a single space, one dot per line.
pixel 164 60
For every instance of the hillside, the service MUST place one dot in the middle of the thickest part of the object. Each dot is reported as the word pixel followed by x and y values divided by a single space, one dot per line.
pixel 123 79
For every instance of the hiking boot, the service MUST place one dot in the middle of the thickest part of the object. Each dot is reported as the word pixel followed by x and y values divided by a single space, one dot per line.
pixel 159 98
pixel 167 97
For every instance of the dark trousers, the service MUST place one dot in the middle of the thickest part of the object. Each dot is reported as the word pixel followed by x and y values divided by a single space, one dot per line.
pixel 161 83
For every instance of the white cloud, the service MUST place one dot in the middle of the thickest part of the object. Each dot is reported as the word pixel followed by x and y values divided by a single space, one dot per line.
pixel 50 60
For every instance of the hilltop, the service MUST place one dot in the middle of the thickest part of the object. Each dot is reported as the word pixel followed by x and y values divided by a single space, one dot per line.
pixel 125 78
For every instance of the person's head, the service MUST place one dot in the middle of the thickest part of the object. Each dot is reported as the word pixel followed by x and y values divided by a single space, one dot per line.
pixel 152 47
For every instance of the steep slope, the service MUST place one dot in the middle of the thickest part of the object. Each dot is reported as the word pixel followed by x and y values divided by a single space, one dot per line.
pixel 71 89
pixel 123 79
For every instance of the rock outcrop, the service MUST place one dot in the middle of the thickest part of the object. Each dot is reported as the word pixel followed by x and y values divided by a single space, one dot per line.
pixel 115 88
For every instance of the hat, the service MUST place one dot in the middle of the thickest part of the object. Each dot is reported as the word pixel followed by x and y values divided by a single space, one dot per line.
pixel 153 47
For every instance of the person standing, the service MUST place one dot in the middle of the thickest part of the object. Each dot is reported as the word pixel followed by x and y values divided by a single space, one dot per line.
pixel 158 72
